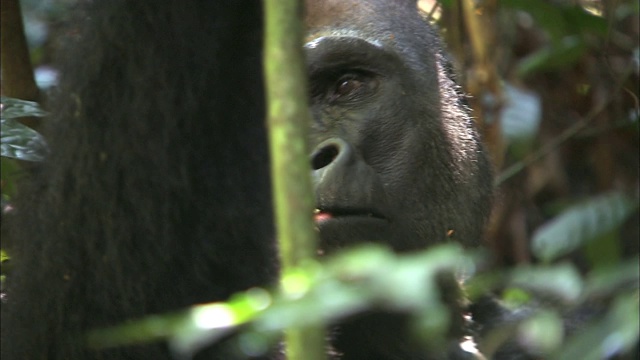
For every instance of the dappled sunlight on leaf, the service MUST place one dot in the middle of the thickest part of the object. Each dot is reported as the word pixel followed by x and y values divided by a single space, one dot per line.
pixel 352 281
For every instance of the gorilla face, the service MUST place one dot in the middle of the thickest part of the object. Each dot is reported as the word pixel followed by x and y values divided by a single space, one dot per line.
pixel 365 140
pixel 395 158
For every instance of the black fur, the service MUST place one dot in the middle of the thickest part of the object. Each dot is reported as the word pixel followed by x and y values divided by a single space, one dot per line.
pixel 156 194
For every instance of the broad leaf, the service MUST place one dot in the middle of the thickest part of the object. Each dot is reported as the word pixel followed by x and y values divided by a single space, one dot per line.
pixel 581 224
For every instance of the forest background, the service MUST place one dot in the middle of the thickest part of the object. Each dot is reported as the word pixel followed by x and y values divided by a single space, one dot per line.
pixel 554 87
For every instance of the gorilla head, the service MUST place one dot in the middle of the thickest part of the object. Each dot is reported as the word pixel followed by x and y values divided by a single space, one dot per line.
pixel 396 159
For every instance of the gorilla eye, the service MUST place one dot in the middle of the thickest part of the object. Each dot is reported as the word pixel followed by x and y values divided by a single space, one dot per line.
pixel 351 86
pixel 348 86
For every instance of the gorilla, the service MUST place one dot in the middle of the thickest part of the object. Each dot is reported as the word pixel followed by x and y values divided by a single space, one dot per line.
pixel 396 156
pixel 397 159
pixel 156 194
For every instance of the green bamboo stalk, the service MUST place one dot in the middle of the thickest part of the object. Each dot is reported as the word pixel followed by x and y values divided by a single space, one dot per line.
pixel 288 121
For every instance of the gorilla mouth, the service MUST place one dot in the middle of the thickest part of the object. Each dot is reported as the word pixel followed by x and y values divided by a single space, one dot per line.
pixel 321 215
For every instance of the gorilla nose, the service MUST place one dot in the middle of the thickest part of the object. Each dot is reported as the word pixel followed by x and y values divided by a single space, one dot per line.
pixel 330 152
pixel 343 180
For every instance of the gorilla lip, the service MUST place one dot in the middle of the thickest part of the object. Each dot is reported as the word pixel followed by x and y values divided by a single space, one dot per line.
pixel 323 215
pixel 320 216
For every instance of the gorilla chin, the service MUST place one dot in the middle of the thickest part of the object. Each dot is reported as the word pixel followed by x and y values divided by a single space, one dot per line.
pixel 339 232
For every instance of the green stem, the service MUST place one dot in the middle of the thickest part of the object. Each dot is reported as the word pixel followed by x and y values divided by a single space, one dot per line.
pixel 288 121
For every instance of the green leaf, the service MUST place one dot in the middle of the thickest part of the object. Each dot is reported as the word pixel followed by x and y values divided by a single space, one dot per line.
pixel 605 281
pixel 446 3
pixel 560 21
pixel 546 15
pixel 554 56
pixel 616 333
pixel 581 224
pixel 562 282
pixel 11 172
pixel 515 297
pixel 580 20
pixel 15 108
pixel 544 331
pixel 210 322
pixel 17 140
pixel 604 250
pixel 21 142
pixel 349 282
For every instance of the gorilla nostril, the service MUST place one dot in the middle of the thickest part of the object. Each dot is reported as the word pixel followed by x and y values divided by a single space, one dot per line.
pixel 324 156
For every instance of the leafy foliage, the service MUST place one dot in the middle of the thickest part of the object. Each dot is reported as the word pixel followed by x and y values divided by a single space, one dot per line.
pixel 315 294
pixel 19 141
pixel 373 277
pixel 581 224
